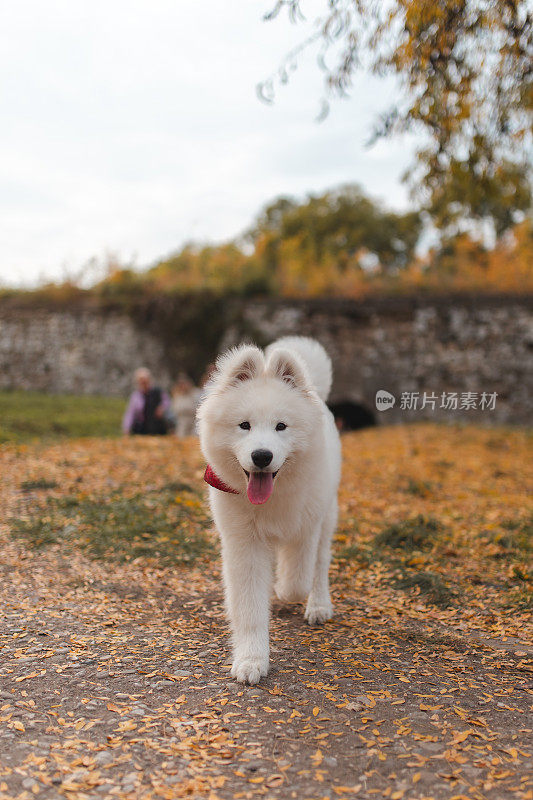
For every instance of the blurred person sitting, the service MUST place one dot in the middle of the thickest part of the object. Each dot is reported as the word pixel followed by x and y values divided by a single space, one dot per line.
pixel 185 399
pixel 147 407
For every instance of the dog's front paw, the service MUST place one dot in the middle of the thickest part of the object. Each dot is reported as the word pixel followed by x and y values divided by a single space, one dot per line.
pixel 318 612
pixel 249 669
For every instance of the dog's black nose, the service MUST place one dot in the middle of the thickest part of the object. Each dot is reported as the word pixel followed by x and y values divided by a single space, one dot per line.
pixel 261 458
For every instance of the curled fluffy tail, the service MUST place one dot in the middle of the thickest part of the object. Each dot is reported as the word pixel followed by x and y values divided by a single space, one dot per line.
pixel 315 358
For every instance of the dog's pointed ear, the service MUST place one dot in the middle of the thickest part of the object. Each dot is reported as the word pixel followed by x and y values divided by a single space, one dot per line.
pixel 286 366
pixel 238 365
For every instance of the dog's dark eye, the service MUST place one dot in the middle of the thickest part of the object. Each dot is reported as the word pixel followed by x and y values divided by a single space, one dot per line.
pixel 280 426
pixel 245 426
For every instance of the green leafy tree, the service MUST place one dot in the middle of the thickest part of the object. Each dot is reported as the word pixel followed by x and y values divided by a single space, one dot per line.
pixel 340 225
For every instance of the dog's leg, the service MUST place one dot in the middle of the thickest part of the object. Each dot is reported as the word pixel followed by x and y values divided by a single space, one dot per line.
pixel 248 580
pixel 295 569
pixel 319 607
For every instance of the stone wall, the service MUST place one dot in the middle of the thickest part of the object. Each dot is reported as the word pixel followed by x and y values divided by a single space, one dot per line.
pixel 401 345
pixel 79 352
pixel 414 346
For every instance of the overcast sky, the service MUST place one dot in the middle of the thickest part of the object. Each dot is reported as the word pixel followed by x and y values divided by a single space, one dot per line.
pixel 132 127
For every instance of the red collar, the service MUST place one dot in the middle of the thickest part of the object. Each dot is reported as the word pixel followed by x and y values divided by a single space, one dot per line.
pixel 212 479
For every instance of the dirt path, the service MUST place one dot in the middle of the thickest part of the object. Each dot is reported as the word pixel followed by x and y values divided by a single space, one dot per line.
pixel 114 682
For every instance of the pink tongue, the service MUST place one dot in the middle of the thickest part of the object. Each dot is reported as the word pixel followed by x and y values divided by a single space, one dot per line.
pixel 260 485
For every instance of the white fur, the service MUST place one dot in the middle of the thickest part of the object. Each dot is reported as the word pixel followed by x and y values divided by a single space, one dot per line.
pixel 287 539
pixel 317 361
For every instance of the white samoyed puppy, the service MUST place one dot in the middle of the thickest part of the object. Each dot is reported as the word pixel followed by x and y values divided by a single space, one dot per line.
pixel 274 461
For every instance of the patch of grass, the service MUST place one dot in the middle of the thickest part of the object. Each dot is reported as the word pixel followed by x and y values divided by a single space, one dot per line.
pixel 504 543
pixel 521 573
pixel 38 531
pixel 520 599
pixel 174 487
pixel 429 584
pixel 419 488
pixel 514 538
pixel 169 530
pixel 497 442
pixel 35 415
pixel 350 545
pixel 353 552
pixel 520 533
pixel 415 533
pixel 443 464
pixel 39 484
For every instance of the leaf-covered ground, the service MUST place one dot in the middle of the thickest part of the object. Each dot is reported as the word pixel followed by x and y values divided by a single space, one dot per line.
pixel 114 662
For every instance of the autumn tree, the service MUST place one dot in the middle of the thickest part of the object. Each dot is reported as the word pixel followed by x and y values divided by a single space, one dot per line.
pixel 464 70
pixel 319 240
pixel 218 268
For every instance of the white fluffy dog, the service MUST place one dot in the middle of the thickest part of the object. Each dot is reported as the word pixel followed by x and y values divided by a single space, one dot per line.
pixel 274 467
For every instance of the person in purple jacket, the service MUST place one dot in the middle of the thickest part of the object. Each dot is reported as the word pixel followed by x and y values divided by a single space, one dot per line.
pixel 147 407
